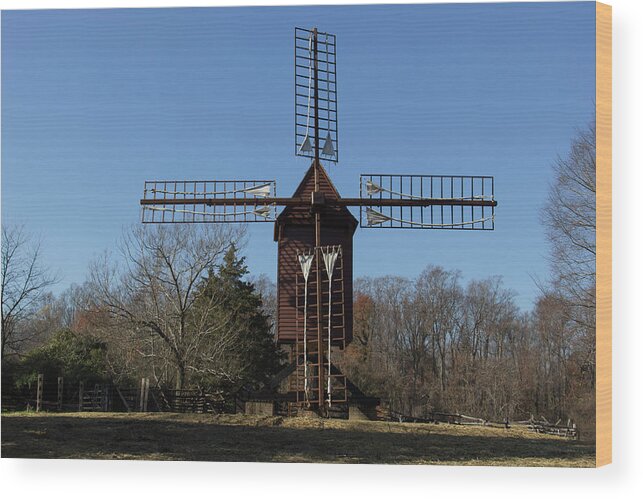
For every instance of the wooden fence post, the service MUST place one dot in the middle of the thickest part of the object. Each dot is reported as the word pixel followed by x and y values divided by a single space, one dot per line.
pixel 142 394
pixel 80 396
pixel 60 393
pixel 147 394
pixel 39 393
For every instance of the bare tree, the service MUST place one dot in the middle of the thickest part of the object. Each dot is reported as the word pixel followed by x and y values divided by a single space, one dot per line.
pixel 555 337
pixel 570 219
pixel 155 292
pixel 24 282
pixel 430 344
pixel 438 302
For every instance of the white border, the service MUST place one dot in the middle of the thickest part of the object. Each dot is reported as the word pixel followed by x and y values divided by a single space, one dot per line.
pixel 64 479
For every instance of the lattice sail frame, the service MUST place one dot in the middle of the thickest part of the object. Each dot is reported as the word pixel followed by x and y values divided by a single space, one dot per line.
pixel 195 201
pixel 449 193
pixel 326 95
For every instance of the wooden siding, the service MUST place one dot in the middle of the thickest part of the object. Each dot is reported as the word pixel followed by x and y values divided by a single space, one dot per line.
pixel 299 238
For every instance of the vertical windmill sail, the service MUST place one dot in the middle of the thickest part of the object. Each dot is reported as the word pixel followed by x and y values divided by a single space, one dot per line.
pixel 315 95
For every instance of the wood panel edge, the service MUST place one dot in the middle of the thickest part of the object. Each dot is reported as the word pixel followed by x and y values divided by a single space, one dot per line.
pixel 603 234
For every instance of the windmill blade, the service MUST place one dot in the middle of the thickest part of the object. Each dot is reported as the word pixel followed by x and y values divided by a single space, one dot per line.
pixel 427 202
pixel 315 94
pixel 209 201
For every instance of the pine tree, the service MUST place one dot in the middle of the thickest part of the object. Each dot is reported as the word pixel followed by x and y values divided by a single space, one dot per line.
pixel 252 357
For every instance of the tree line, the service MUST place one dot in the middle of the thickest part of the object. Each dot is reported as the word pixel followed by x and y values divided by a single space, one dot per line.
pixel 174 305
pixel 435 343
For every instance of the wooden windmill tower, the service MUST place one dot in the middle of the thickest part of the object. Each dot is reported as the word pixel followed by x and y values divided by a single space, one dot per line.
pixel 314 231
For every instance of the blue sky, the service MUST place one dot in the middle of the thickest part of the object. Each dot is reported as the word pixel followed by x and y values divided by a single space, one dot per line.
pixel 94 102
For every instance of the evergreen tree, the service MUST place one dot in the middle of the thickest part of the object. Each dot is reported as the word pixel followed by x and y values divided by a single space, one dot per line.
pixel 251 356
pixel 75 357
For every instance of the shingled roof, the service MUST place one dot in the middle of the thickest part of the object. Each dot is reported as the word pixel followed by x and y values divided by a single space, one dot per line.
pixel 301 215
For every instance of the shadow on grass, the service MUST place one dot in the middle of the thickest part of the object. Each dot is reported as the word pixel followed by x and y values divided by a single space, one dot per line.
pixel 206 440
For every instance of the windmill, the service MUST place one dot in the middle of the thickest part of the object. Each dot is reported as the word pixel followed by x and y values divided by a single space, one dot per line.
pixel 315 228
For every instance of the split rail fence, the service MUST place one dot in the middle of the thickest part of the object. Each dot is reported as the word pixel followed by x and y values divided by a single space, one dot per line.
pixel 541 425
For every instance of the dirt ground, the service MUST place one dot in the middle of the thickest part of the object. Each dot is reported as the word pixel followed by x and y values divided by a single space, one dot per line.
pixel 194 437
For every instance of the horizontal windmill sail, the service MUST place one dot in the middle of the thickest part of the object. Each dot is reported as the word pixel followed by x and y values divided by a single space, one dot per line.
pixel 427 202
pixel 203 201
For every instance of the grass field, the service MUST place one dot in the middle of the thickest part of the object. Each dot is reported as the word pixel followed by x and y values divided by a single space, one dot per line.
pixel 196 437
